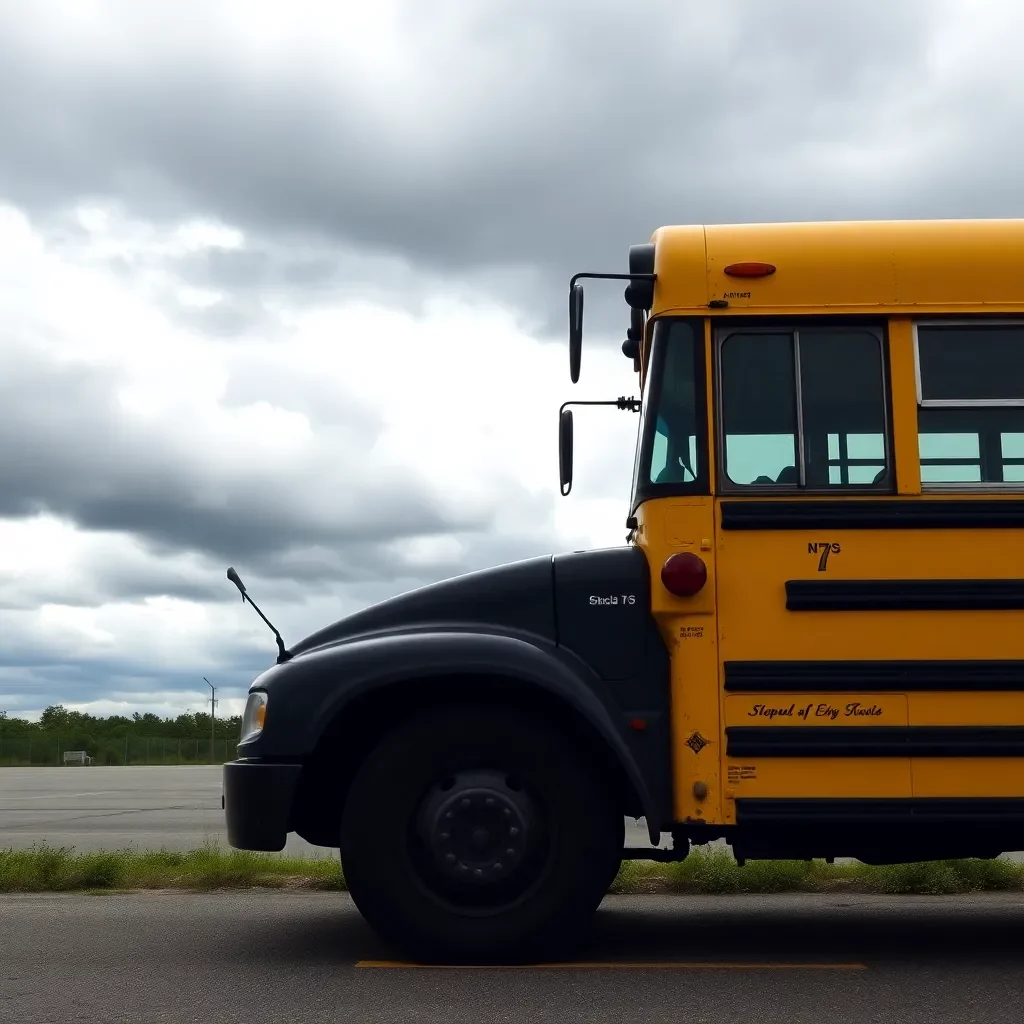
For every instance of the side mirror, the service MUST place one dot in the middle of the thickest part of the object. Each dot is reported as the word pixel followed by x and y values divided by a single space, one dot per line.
pixel 575 333
pixel 565 450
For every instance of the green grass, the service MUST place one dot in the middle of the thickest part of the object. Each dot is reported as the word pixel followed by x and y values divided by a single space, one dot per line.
pixel 715 871
pixel 706 871
pixel 61 869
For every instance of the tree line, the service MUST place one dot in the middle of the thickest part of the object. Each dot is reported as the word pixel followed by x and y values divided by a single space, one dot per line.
pixel 57 718
pixel 117 739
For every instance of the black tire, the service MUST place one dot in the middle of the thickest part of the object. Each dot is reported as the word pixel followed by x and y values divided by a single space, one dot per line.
pixel 616 843
pixel 414 882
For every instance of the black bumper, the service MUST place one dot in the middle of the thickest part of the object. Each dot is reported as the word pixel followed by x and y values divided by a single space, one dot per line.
pixel 258 803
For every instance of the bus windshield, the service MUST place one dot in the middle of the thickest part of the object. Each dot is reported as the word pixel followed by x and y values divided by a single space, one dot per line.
pixel 672 435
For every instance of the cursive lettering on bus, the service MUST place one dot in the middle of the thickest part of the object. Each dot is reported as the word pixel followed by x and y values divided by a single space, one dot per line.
pixel 858 709
pixel 767 711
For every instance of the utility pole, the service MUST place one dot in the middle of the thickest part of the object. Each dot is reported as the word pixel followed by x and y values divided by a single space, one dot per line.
pixel 213 711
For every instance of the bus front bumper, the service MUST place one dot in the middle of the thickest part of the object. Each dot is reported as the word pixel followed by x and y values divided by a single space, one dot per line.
pixel 257 801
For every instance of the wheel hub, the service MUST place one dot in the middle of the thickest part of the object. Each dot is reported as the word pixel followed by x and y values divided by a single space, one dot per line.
pixel 477 828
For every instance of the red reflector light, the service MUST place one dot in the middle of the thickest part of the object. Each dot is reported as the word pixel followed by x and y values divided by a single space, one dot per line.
pixel 683 574
pixel 749 270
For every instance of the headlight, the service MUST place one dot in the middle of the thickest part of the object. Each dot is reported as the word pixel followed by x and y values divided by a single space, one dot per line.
pixel 254 716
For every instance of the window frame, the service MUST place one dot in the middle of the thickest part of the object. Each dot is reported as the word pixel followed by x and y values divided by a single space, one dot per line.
pixel 644 489
pixel 764 325
pixel 975 486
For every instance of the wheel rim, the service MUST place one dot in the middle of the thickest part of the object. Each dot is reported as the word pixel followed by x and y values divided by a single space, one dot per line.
pixel 479 840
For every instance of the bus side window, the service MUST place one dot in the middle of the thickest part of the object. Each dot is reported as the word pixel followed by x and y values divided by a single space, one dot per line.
pixel 804 409
pixel 971 403
pixel 759 413
pixel 843 407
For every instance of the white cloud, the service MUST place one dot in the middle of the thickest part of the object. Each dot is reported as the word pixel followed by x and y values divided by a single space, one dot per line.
pixel 458 403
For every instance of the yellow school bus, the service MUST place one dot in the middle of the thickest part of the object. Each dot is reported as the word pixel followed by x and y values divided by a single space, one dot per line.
pixel 811 644
pixel 828 490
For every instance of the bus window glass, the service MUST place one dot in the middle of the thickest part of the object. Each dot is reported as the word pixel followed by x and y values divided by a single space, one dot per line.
pixel 950 457
pixel 976 363
pixel 659 453
pixel 862 458
pixel 677 408
pixel 1012 443
pixel 971 408
pixel 838 426
pixel 759 409
pixel 842 406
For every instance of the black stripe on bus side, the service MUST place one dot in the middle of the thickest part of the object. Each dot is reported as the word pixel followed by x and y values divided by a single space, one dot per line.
pixel 873 514
pixel 873 676
pixel 875 741
pixel 875 810
pixel 903 595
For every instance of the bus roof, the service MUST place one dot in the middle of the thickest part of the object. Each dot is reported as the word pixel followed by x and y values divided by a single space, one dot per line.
pixel 899 267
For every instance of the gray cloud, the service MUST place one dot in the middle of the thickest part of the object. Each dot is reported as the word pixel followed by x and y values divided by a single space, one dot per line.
pixel 106 583
pixel 31 680
pixel 538 135
pixel 75 456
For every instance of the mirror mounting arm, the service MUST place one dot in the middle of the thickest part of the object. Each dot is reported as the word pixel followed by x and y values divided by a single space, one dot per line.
pixel 565 431
pixel 623 403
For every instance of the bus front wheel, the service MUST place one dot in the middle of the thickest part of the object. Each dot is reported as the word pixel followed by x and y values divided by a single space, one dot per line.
pixel 477 835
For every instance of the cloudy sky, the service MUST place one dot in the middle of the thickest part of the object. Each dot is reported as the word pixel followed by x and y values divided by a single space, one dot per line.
pixel 282 285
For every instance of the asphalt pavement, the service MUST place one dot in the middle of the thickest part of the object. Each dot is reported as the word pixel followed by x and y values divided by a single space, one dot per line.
pixel 152 807
pixel 273 955
pixel 301 957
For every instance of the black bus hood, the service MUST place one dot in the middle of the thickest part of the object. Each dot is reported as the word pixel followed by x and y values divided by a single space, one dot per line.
pixel 516 598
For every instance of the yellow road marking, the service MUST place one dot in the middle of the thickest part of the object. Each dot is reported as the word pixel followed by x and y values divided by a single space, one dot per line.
pixel 686 965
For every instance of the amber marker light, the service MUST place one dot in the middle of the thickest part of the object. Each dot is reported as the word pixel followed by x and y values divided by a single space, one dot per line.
pixel 750 269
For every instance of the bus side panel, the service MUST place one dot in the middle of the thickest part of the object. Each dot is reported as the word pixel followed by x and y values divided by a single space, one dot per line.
pixel 983 755
pixel 668 526
pixel 770 739
pixel 996 721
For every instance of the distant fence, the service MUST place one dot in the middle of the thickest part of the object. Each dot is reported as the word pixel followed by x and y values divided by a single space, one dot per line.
pixel 44 749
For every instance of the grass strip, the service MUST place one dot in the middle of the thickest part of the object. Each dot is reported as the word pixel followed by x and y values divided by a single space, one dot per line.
pixel 711 871
pixel 60 869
